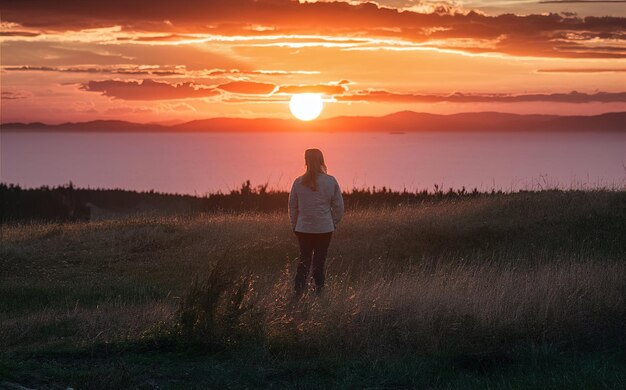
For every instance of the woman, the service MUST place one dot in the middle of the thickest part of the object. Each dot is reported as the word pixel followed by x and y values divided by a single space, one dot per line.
pixel 315 209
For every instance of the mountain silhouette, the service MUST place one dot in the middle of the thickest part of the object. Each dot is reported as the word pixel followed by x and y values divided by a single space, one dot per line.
pixel 403 121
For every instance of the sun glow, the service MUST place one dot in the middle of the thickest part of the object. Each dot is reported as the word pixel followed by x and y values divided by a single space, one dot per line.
pixel 306 106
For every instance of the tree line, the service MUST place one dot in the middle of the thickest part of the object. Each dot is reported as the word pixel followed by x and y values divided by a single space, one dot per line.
pixel 69 203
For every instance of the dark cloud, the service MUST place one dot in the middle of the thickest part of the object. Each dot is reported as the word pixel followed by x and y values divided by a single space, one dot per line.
pixel 553 35
pixel 571 97
pixel 259 91
pixel 18 34
pixel 11 95
pixel 148 90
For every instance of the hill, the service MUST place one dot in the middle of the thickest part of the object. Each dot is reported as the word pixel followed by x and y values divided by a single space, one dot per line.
pixel 404 121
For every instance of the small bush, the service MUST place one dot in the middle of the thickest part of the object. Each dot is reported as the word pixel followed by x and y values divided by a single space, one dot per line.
pixel 211 310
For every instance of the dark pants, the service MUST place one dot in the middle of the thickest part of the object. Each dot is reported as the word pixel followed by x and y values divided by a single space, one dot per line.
pixel 313 249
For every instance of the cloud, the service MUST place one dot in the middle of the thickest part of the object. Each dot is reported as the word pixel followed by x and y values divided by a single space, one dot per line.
pixel 265 72
pixel 18 53
pixel 148 90
pixel 180 107
pixel 126 69
pixel 546 35
pixel 571 97
pixel 580 1
pixel 327 89
pixel 18 34
pixel 248 87
pixel 158 38
pixel 156 70
pixel 582 70
pixel 14 95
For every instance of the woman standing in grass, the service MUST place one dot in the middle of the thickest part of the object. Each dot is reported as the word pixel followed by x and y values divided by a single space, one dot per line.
pixel 315 209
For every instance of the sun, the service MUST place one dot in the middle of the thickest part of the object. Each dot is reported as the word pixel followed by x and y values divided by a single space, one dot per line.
pixel 306 106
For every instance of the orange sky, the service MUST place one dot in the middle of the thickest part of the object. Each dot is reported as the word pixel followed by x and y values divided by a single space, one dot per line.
pixel 161 61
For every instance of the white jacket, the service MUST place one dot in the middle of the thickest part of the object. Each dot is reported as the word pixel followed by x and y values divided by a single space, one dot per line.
pixel 315 211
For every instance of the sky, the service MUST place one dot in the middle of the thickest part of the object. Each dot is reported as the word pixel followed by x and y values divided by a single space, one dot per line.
pixel 168 62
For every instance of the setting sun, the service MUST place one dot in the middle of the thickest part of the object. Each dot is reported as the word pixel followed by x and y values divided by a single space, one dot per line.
pixel 306 106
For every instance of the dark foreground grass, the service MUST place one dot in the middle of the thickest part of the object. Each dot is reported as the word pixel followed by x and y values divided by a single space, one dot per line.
pixel 100 368
pixel 501 291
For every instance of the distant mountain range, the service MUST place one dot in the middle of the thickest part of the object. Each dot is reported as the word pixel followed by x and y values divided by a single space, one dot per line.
pixel 404 121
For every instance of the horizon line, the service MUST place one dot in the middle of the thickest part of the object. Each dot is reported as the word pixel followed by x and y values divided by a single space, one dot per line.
pixel 295 120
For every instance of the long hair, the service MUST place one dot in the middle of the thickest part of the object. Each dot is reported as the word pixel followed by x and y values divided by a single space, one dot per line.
pixel 314 160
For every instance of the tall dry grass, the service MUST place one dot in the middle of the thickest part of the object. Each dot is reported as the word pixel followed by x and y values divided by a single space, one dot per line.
pixel 478 276
pixel 445 308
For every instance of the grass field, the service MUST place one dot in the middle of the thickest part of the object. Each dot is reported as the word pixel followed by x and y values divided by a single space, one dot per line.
pixel 524 290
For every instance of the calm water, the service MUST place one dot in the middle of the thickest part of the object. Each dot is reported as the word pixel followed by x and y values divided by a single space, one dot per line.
pixel 200 163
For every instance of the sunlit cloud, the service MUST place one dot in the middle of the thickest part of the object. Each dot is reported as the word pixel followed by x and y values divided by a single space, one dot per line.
pixel 327 89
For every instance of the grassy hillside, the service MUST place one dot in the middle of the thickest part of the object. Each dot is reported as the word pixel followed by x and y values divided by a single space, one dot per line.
pixel 519 290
